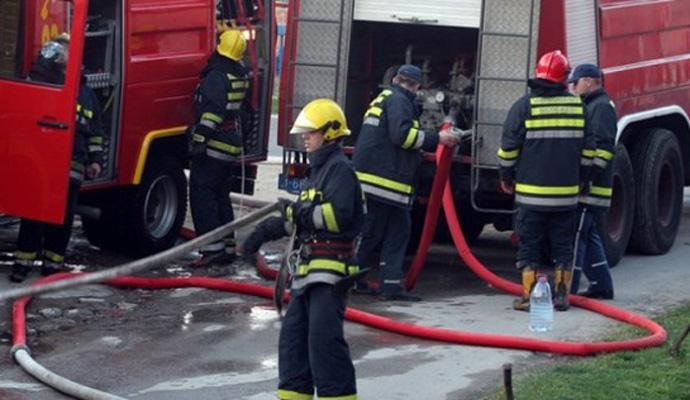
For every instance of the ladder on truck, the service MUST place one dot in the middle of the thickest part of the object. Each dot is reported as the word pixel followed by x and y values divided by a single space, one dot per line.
pixel 318 52
pixel 506 56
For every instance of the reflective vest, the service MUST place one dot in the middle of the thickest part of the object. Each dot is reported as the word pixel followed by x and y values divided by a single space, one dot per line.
pixel 389 148
pixel 219 99
pixel 329 213
pixel 547 149
pixel 601 112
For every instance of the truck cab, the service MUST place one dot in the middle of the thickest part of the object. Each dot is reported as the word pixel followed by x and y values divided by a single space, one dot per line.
pixel 143 59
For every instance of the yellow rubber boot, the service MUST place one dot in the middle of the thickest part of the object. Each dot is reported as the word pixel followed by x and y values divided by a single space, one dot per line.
pixel 562 288
pixel 529 278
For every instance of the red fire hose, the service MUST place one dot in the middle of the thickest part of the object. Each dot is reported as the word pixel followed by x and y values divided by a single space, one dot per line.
pixel 444 156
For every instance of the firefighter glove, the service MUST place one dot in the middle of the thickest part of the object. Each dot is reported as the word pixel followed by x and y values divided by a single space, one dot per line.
pixel 199 138
pixel 286 209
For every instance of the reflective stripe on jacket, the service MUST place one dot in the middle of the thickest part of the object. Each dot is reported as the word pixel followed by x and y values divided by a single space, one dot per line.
pixel 219 98
pixel 88 141
pixel 389 147
pixel 330 208
pixel 602 116
pixel 544 147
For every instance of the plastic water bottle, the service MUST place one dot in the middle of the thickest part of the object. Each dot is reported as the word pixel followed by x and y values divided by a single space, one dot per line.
pixel 541 306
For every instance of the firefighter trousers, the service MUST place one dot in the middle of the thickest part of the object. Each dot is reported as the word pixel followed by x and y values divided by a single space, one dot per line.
pixel 545 233
pixel 387 227
pixel 591 257
pixel 312 350
pixel 209 198
pixel 35 236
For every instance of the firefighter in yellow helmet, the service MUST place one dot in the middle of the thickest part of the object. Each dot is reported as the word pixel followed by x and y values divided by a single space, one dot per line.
pixel 217 143
pixel 328 216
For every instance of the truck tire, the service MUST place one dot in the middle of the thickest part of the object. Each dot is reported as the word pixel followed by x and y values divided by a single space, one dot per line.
pixel 616 225
pixel 156 208
pixel 658 166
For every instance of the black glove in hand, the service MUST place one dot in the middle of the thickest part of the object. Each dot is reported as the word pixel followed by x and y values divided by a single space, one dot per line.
pixel 286 209
pixel 303 213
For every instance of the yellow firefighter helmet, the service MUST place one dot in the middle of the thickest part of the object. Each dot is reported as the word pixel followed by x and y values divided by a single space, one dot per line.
pixel 322 115
pixel 232 44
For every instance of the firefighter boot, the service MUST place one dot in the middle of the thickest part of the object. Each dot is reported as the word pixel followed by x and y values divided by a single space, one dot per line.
pixel 23 261
pixel 529 278
pixel 52 263
pixel 562 288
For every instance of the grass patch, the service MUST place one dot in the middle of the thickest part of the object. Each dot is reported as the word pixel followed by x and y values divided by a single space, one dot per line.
pixel 634 375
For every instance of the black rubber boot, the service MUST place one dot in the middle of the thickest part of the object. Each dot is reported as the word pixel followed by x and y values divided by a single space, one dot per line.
pixel 562 288
pixel 396 292
pixel 19 272
pixel 594 293
pixel 50 268
pixel 211 259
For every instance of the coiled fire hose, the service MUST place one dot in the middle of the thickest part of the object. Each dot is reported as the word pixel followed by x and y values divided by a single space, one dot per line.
pixel 441 191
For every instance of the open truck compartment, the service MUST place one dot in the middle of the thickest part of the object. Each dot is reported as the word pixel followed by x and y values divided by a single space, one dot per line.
pixel 447 56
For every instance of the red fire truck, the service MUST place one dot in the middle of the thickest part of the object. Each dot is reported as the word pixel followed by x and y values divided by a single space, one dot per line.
pixel 477 56
pixel 143 59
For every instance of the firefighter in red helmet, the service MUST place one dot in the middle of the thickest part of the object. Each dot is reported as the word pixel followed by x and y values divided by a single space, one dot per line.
pixel 544 158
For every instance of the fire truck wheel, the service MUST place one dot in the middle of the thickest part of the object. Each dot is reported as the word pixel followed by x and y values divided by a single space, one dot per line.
pixel 616 225
pixel 157 207
pixel 658 166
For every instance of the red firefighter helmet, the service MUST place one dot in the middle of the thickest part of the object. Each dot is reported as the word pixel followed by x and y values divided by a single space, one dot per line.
pixel 553 66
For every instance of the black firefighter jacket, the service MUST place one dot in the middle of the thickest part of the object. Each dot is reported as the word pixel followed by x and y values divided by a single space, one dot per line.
pixel 602 117
pixel 546 147
pixel 389 148
pixel 329 214
pixel 218 99
pixel 88 139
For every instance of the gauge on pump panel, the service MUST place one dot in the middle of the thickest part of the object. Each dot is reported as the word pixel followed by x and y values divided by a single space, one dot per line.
pixel 440 96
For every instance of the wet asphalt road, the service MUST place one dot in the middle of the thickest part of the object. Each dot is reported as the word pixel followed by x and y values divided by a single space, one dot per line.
pixel 200 344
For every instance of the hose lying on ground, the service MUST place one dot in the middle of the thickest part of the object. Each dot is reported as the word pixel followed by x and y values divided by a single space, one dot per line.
pixel 444 156
pixel 146 263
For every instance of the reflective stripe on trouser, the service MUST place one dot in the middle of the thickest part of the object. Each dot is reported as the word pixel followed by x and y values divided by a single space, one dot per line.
pixel 53 260
pixel 27 259
pixel 35 236
pixel 209 194
pixel 537 229
pixel 591 257
pixel 312 351
pixel 388 228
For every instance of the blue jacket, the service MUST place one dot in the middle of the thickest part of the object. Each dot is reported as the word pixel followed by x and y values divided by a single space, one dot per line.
pixel 602 116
